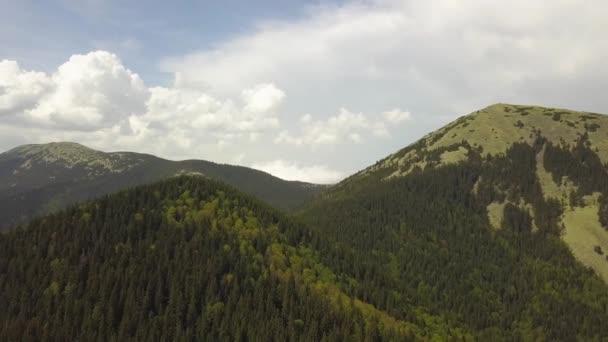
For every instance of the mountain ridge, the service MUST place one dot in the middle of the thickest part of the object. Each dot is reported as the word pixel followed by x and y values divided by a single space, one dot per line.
pixel 39 178
pixel 563 139
pixel 508 124
pixel 438 148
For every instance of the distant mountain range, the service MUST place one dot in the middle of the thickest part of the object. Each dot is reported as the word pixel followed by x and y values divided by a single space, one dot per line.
pixel 38 179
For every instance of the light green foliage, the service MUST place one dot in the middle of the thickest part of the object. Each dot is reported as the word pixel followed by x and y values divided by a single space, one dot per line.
pixel 449 157
pixel 139 217
pixel 213 311
pixel 549 187
pixel 53 289
pixel 495 214
pixel 86 217
pixel 582 233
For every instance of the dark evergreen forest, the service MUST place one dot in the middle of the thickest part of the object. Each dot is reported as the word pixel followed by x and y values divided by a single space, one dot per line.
pixel 375 259
pixel 421 246
pixel 187 259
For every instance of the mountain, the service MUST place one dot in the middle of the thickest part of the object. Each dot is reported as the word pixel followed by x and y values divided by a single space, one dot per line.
pixel 37 179
pixel 184 259
pixel 570 166
pixel 495 223
pixel 491 229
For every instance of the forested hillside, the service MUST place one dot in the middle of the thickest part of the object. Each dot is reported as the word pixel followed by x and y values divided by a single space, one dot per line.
pixel 567 165
pixel 463 235
pixel 424 244
pixel 186 259
pixel 485 240
pixel 39 179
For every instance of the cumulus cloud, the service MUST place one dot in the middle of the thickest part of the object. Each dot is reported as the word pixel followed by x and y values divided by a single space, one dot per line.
pixel 96 91
pixel 263 98
pixel 344 127
pixel 92 91
pixel 85 93
pixel 306 118
pixel 20 89
pixel 190 117
pixel 290 170
pixel 333 130
pixel 396 116
pixel 94 99
pixel 196 109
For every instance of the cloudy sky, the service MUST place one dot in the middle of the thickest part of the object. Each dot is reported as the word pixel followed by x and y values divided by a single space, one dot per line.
pixel 308 90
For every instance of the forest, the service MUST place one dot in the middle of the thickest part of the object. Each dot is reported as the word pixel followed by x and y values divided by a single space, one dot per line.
pixel 377 259
pixel 186 259
pixel 427 238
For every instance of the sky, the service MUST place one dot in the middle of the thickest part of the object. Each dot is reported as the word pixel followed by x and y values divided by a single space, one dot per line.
pixel 304 90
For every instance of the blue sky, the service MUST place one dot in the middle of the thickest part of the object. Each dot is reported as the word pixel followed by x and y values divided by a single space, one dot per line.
pixel 304 90
pixel 40 34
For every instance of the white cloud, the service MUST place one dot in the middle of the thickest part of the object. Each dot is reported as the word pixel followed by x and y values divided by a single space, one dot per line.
pixel 19 89
pixel 319 174
pixel 191 122
pixel 198 110
pixel 306 118
pixel 94 99
pixel 344 127
pixel 431 56
pixel 396 115
pixel 335 129
pixel 96 91
pixel 92 91
pixel 355 137
pixel 263 98
pixel 87 92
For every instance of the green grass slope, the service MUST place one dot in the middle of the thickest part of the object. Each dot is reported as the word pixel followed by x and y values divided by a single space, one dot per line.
pixel 494 129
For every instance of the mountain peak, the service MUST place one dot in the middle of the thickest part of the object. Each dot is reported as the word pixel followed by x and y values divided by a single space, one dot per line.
pixel 60 148
pixel 492 130
pixel 69 155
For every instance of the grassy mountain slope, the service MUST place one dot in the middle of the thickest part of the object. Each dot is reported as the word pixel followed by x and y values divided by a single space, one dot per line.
pixel 488 223
pixel 37 179
pixel 184 259
pixel 490 132
pixel 495 129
